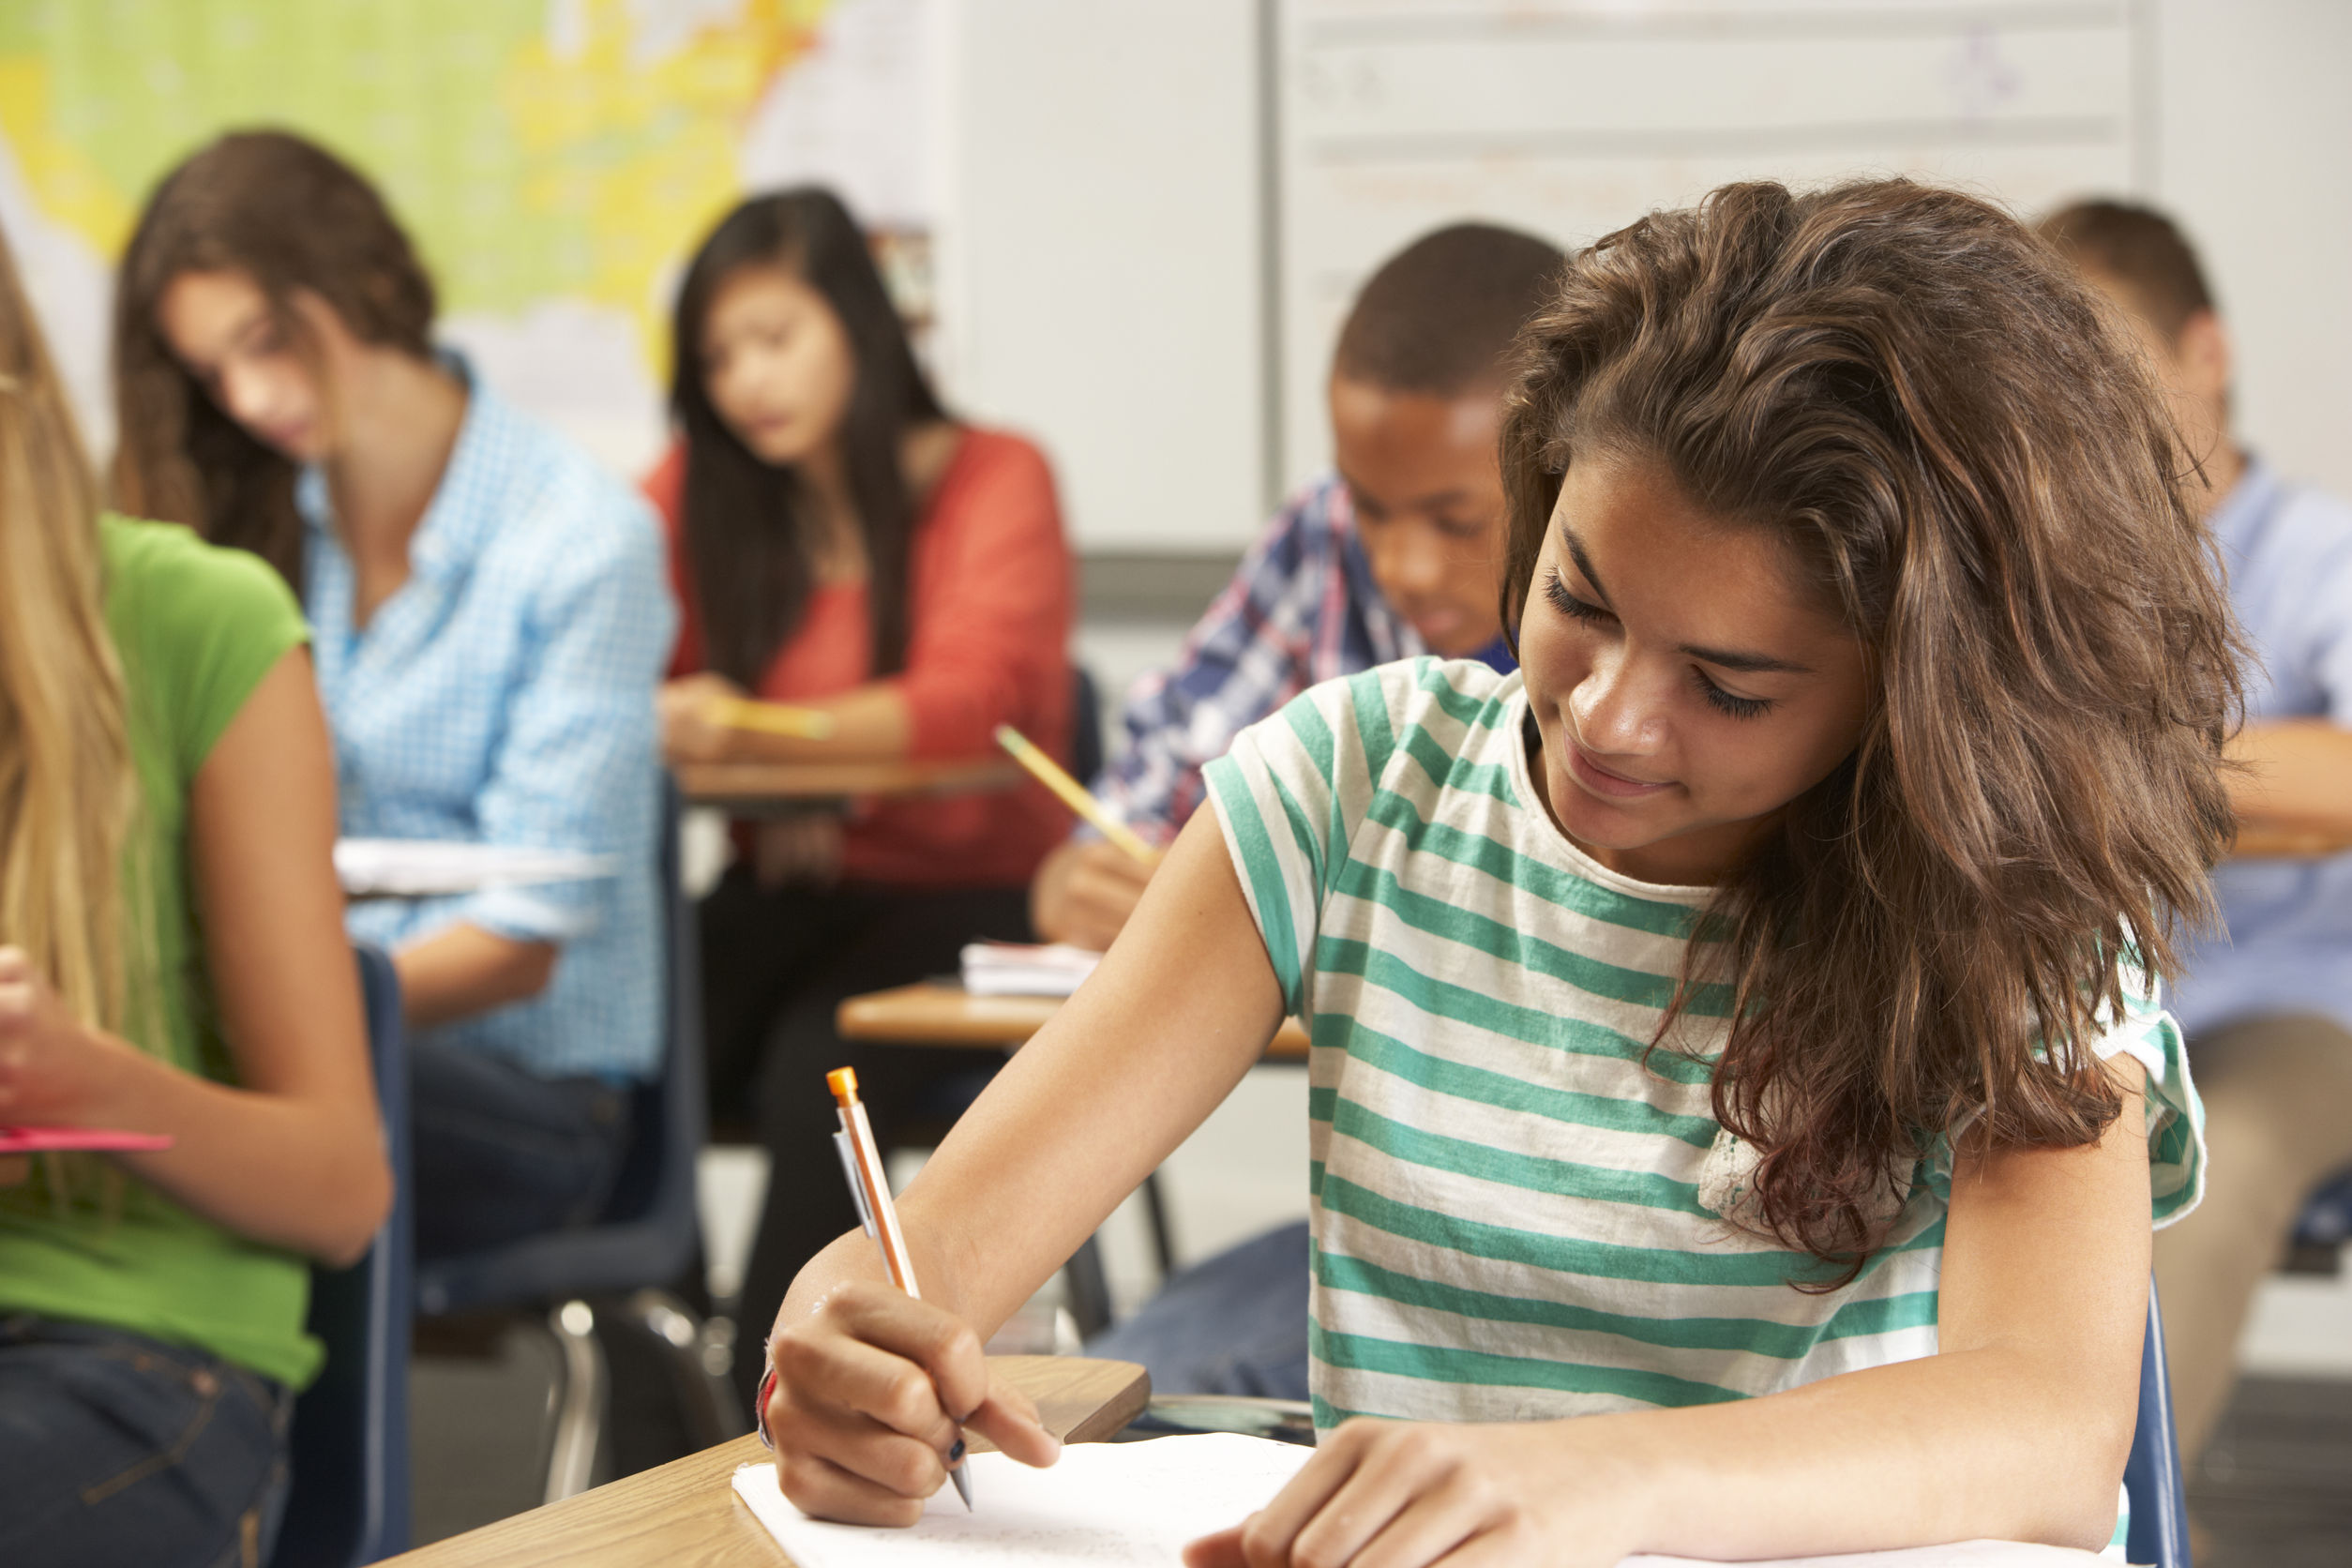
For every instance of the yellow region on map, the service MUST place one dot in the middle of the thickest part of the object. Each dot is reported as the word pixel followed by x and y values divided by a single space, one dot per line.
pixel 534 150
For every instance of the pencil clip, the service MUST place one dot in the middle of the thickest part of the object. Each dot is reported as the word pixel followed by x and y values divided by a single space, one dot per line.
pixel 857 1188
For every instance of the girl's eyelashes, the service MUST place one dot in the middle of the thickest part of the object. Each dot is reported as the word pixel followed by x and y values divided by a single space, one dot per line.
pixel 1727 703
pixel 1569 605
pixel 1716 697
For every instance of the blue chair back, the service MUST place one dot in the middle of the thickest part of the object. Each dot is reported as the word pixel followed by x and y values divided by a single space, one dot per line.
pixel 650 1233
pixel 348 1502
pixel 2327 1218
pixel 1086 727
pixel 2152 1477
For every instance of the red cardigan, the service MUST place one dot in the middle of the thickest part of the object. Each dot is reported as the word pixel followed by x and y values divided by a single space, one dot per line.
pixel 987 643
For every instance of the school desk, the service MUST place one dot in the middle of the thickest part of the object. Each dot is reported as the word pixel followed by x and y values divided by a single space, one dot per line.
pixel 775 788
pixel 2259 840
pixel 686 1513
pixel 932 1013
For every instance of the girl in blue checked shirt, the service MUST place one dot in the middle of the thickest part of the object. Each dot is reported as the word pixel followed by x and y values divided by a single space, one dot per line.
pixel 1739 1098
pixel 488 619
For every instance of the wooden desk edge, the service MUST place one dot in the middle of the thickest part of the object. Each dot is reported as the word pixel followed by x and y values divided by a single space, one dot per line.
pixel 925 1013
pixel 686 1510
pixel 755 785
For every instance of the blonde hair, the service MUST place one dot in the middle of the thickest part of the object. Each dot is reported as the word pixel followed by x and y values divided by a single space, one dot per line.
pixel 68 788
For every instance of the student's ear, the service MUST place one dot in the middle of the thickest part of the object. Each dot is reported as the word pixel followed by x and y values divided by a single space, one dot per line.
pixel 2203 354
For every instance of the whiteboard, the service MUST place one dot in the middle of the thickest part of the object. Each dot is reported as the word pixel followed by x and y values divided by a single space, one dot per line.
pixel 1571 119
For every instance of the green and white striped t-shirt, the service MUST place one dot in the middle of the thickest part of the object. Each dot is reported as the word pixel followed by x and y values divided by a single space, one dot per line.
pixel 1515 1217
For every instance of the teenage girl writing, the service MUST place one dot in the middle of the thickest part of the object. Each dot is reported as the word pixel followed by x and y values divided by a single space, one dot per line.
pixel 174 962
pixel 489 617
pixel 1738 1107
pixel 840 543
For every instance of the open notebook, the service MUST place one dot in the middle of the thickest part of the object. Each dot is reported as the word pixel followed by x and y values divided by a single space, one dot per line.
pixel 1138 1502
pixel 1026 969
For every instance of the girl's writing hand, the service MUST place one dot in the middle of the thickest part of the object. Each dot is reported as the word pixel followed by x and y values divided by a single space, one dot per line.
pixel 870 1387
pixel 690 730
pixel 52 1071
pixel 1400 1494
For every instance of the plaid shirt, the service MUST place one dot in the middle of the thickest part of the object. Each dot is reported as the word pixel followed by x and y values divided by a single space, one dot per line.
pixel 1304 608
pixel 504 695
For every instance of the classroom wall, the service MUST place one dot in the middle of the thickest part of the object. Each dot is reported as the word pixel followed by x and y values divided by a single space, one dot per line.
pixel 2255 157
pixel 1107 177
pixel 1100 258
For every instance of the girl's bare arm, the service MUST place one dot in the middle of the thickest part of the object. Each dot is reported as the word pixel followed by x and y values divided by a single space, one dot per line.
pixel 292 1153
pixel 869 1381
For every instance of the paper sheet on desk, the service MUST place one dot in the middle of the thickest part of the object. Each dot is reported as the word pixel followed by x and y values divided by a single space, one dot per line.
pixel 424 868
pixel 1140 1503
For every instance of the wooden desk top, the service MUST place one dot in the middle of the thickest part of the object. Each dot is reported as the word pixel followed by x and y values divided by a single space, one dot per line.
pixel 751 787
pixel 2284 841
pixel 686 1515
pixel 935 1015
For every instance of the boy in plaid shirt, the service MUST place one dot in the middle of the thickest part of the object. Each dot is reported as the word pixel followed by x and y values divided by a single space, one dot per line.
pixel 1396 552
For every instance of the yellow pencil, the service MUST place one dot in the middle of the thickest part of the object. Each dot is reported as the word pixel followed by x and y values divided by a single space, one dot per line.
pixel 1056 778
pixel 775 718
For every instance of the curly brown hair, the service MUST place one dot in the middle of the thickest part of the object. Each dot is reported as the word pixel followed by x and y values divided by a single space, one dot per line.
pixel 294 218
pixel 1940 421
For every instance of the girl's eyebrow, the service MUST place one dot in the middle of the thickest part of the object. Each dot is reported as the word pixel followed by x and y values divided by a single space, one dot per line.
pixel 1722 658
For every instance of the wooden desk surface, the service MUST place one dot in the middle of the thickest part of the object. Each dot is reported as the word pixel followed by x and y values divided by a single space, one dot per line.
pixel 2284 841
pixel 751 787
pixel 935 1015
pixel 686 1515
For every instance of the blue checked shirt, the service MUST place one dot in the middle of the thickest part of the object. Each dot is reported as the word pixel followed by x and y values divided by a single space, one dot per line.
pixel 2287 946
pixel 1304 608
pixel 504 695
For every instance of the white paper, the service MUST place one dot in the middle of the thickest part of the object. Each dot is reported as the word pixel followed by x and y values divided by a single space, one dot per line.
pixel 1101 1503
pixel 1026 969
pixel 424 867
pixel 1140 1503
pixel 1964 1554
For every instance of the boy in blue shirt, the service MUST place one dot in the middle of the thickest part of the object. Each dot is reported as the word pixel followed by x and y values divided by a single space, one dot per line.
pixel 2268 1002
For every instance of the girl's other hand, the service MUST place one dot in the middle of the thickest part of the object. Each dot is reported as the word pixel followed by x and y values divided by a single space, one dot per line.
pixel 690 730
pixel 1401 1494
pixel 1085 893
pixel 52 1071
pixel 870 1388
pixel 804 850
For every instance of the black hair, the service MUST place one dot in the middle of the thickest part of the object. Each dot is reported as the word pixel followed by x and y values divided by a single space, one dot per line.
pixel 746 553
pixel 1438 315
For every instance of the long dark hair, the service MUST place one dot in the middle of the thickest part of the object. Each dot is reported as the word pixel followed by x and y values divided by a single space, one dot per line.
pixel 746 549
pixel 1937 416
pixel 291 215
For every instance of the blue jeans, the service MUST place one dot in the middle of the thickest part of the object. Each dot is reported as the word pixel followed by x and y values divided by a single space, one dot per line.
pixel 501 1155
pixel 1232 1324
pixel 116 1448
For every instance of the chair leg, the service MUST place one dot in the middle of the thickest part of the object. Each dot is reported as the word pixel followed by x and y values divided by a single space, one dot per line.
pixel 579 1404
pixel 1163 1234
pixel 1089 1288
pixel 699 1364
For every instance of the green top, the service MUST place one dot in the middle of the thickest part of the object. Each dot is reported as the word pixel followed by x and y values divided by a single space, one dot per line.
pixel 196 628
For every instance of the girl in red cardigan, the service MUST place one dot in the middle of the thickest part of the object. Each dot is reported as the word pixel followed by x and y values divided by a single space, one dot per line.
pixel 838 542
